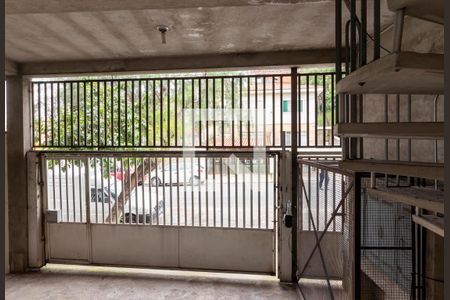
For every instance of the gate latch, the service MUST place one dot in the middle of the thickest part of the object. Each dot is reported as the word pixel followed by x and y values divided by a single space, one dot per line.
pixel 287 218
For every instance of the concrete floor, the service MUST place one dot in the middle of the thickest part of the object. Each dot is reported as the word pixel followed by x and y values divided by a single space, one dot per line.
pixel 95 282
pixel 92 282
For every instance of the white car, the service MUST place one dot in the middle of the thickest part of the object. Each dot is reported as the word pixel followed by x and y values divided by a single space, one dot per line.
pixel 185 174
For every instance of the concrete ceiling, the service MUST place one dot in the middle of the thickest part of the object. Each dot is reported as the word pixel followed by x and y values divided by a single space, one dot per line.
pixel 81 30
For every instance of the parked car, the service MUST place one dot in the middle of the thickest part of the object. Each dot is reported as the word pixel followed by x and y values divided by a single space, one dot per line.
pixel 184 174
pixel 120 175
pixel 108 195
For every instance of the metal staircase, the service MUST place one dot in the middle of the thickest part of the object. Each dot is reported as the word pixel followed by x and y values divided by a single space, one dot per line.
pixel 398 72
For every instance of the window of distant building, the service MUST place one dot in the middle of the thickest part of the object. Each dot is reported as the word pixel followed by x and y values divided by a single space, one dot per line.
pixel 287 105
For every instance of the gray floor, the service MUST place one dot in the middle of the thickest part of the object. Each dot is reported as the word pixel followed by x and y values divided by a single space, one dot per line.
pixel 91 282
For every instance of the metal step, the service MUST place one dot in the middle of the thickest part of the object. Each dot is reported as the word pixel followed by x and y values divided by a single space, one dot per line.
pixel 413 169
pixel 430 10
pixel 432 223
pixel 420 130
pixel 397 73
pixel 425 198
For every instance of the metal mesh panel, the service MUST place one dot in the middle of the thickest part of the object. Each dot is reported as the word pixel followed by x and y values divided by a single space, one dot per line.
pixel 386 245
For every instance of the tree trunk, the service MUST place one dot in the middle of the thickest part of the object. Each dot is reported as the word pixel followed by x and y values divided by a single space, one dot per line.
pixel 142 170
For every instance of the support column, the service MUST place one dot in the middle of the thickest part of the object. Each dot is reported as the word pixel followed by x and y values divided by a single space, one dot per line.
pixel 18 143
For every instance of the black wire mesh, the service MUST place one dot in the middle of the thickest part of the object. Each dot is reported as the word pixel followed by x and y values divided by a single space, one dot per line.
pixel 386 244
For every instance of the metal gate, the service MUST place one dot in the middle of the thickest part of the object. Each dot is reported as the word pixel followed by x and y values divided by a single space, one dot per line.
pixel 172 171
pixel 325 201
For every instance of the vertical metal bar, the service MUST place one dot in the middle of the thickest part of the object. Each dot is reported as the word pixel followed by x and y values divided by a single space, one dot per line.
pixel 115 187
pixel 273 112
pixel 316 112
pixel 332 110
pixel 199 193
pixel 324 108
pixel 199 110
pixel 80 191
pixel 338 38
pixel 73 189
pixel 193 115
pixel 132 116
pixel 214 189
pixel 267 167
pixel 251 193
pixel 248 113
pixel 154 122
pixel 363 34
pixel 140 116
pixel 176 112
pixel 45 115
pixel 53 182
pixel 376 28
pixel 87 191
pixel 307 110
pixel 214 122
pixel 207 120
pixel 136 190
pixel 58 105
pixel 98 115
pixel 178 191
pixel 232 109
pixel 221 192
pixel 294 167
pixel 65 116
pixel 240 110
pixel 91 112
pixel 78 112
pixel 126 121
pixel 309 193
pixel 119 116
pixel 223 115
pixel 168 113
pixel 109 189
pixel 353 35
pixel 207 194
pixel 150 206
pixel 164 190
pixel 103 189
pixel 60 187
pixel 170 190
pixel 130 216
pixel 184 185
pixel 192 191
pixel 33 109
pixel 111 93
pixel 123 191
pixel 243 195
pixel 256 113
pixel 228 192
pixel 67 191
pixel 146 116
pixel 105 112
pixel 281 108
pixel 85 114
pixel 236 210
pixel 52 114
pixel 71 115
pixel 259 192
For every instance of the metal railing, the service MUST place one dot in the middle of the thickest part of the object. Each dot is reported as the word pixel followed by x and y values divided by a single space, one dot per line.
pixel 174 112
pixel 206 189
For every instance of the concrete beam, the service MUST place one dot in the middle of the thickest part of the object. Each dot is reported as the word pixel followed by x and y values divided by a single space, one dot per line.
pixel 183 63
pixel 56 6
pixel 19 143
pixel 11 68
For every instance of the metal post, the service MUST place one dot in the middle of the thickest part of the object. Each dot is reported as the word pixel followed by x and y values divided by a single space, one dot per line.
pixel 294 169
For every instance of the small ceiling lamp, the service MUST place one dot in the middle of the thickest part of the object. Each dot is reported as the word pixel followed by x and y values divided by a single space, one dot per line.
pixel 163 29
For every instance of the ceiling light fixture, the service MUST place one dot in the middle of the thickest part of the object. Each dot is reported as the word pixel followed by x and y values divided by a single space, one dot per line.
pixel 163 29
